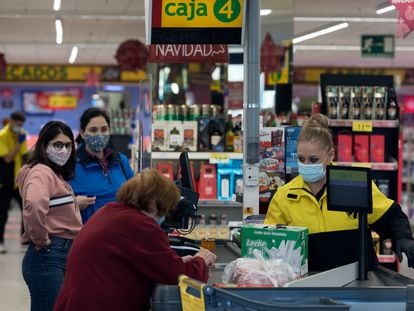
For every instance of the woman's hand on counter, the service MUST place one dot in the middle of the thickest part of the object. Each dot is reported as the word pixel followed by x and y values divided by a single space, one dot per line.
pixel 187 258
pixel 209 257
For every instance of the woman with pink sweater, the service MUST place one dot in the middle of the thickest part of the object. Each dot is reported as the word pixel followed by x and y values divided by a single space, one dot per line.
pixel 51 217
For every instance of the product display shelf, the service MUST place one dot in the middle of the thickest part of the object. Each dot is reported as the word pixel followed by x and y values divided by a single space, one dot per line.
pixel 376 166
pixel 374 123
pixel 233 210
pixel 377 139
pixel 212 156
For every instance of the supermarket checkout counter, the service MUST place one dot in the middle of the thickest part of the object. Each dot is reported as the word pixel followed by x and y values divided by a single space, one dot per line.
pixel 385 290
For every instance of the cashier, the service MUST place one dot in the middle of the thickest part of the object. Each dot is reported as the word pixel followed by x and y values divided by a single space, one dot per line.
pixel 122 253
pixel 333 236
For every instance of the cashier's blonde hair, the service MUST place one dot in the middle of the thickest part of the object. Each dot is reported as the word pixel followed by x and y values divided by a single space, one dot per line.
pixel 316 130
pixel 147 187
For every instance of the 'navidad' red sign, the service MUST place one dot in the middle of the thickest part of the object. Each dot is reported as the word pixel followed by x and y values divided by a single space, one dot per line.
pixel 405 24
pixel 184 53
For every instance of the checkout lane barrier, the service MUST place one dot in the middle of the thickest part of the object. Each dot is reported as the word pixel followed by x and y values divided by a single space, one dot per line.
pixel 202 297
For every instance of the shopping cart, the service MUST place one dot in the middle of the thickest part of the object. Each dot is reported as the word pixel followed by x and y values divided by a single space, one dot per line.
pixel 197 296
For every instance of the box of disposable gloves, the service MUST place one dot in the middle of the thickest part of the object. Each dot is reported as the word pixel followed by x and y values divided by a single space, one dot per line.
pixel 290 244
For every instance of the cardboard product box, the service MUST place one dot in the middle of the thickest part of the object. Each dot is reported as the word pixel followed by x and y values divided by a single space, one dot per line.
pixel 288 243
pixel 377 148
pixel 159 136
pixel 344 148
pixel 175 136
pixel 190 135
pixel 361 147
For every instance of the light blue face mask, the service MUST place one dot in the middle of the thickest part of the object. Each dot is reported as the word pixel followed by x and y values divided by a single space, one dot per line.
pixel 160 220
pixel 312 172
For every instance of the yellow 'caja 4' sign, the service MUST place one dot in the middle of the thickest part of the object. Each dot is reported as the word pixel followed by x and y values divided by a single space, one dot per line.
pixel 202 13
pixel 195 21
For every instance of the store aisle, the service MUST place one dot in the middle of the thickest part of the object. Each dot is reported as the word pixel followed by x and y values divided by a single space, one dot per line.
pixel 14 295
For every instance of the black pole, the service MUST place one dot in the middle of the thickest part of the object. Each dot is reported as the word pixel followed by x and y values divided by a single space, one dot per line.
pixel 362 228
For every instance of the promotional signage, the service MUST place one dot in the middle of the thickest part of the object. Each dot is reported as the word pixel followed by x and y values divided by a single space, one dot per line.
pixel 194 21
pixel 62 73
pixel 405 21
pixel 184 53
pixel 377 46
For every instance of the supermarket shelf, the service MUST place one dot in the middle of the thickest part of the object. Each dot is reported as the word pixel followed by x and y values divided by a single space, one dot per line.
pixel 197 155
pixel 376 166
pixel 387 258
pixel 375 123
pixel 218 203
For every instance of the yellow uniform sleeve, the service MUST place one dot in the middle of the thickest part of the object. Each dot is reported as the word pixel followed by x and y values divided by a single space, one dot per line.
pixel 275 215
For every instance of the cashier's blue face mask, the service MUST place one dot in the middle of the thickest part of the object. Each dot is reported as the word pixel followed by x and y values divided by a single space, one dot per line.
pixel 97 142
pixel 312 172
pixel 160 220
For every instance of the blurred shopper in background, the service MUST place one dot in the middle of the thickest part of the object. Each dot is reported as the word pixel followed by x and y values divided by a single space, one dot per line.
pixel 122 251
pixel 333 235
pixel 50 215
pixel 100 171
pixel 13 149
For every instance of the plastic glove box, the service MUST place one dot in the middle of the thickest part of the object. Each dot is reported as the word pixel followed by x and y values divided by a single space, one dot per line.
pixel 287 243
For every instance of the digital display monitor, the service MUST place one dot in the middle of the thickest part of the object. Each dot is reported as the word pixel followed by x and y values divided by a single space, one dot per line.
pixel 349 189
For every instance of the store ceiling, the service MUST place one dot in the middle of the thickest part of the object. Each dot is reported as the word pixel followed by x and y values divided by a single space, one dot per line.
pixel 97 27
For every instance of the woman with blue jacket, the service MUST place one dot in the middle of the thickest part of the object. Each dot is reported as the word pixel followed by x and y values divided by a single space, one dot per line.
pixel 100 171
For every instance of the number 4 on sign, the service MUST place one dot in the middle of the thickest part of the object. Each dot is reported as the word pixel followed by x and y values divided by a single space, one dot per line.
pixel 226 9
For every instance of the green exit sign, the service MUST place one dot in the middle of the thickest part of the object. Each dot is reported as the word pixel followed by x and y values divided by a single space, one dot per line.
pixel 377 46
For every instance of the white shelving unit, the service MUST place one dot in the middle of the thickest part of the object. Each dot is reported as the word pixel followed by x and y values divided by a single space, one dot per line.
pixel 165 155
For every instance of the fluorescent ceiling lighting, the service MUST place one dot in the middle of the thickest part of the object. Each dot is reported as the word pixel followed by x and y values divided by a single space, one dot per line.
pixel 385 9
pixel 56 5
pixel 265 12
pixel 320 32
pixel 73 55
pixel 59 31
pixel 346 19
pixel 344 48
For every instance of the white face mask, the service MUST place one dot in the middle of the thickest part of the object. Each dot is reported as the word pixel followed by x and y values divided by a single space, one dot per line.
pixel 60 157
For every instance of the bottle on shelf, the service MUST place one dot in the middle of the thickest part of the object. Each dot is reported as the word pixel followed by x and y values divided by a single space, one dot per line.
pixel 215 138
pixel 174 138
pixel 392 110
pixel 229 134
pixel 272 120
pixel 238 142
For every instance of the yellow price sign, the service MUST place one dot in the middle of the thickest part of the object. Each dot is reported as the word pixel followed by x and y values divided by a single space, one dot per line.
pixel 361 164
pixel 219 158
pixel 63 102
pixel 362 126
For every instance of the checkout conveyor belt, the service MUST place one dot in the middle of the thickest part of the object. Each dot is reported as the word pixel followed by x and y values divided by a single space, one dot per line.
pixel 385 290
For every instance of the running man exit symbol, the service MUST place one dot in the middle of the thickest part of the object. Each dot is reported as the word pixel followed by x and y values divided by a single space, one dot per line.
pixel 377 46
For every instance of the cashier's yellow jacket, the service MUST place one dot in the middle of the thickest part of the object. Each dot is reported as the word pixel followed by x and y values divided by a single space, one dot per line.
pixel 333 236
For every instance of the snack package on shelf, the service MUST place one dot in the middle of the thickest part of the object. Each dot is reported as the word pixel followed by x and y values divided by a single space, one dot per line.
pixel 272 161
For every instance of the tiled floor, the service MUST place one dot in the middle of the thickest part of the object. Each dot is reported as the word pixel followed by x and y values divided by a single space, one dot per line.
pixel 14 295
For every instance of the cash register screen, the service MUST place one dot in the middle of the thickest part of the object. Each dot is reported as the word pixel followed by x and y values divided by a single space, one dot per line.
pixel 349 189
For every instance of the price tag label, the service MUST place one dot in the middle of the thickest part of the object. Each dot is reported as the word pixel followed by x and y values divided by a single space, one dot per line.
pixel 219 158
pixel 362 126
pixel 361 164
